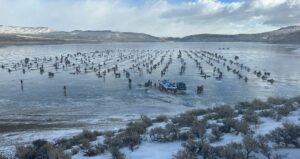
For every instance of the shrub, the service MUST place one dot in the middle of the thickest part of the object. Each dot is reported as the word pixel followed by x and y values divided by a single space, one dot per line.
pixel 147 121
pixel 198 112
pixel 199 128
pixel 263 146
pixel 285 110
pixel 75 150
pixel 138 127
pixel 250 116
pixel 127 138
pixel 170 133
pixel 130 136
pixel 268 113
pixel 114 141
pixel 185 154
pixel 215 152
pixel 23 152
pixel 256 104
pixel 294 100
pixel 216 134
pixel 131 139
pixel 232 151
pixel 84 144
pixel 243 105
pixel 80 139
pixel 242 127
pixel 108 134
pixel 228 125
pixel 184 120
pixel 185 135
pixel 192 146
pixel 3 157
pixel 40 149
pixel 211 116
pixel 289 134
pixel 116 154
pixel 224 112
pixel 250 145
pixel 39 143
pixel 55 153
pixel 160 118
pixel 173 131
pixel 95 150
pixel 276 100
pixel 90 135
pixel 207 151
pixel 158 134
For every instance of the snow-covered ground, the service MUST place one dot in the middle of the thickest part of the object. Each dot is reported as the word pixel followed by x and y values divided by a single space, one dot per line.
pixel 23 30
pixel 149 149
pixel 10 140
pixel 154 150
pixel 227 139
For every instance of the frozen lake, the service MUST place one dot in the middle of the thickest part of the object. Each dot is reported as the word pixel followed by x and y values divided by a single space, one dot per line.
pixel 94 102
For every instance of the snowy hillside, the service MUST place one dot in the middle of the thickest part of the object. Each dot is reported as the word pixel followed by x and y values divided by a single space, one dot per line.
pixel 23 30
pixel 289 29
pixel 284 31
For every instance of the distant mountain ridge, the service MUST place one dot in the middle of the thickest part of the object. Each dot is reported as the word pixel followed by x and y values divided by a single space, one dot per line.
pixel 290 34
pixel 44 35
pixel 102 36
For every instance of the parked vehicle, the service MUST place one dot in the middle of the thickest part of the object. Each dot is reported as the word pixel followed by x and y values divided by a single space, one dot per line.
pixel 169 86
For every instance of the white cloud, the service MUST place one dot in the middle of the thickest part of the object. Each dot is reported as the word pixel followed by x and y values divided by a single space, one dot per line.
pixel 267 4
pixel 156 17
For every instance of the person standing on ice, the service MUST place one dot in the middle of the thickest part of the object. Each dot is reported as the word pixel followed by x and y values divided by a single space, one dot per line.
pixel 22 85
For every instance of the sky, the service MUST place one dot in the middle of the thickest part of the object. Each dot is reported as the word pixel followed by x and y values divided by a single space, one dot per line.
pixel 156 17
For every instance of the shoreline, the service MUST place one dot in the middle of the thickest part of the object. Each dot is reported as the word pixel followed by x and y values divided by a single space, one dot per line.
pixel 61 42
